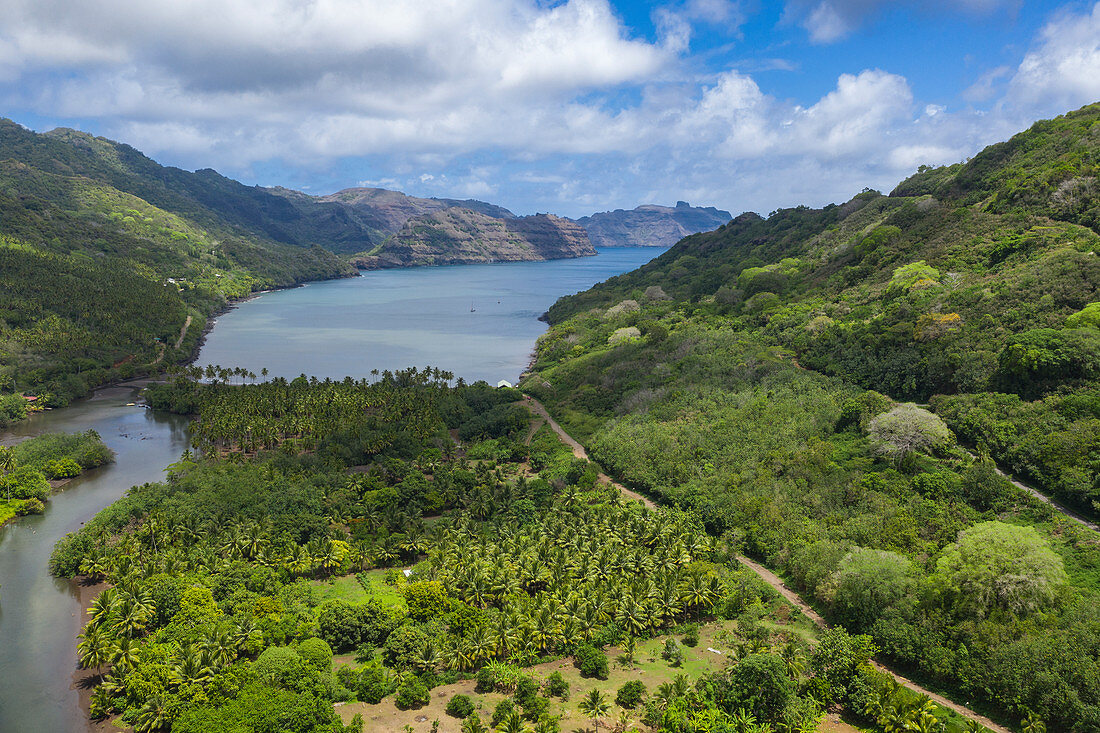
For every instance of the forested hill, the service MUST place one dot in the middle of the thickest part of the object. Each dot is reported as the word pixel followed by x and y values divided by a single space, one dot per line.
pixel 105 256
pixel 750 375
pixel 931 289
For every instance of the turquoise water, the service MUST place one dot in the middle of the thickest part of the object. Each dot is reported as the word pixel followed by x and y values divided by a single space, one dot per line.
pixel 478 321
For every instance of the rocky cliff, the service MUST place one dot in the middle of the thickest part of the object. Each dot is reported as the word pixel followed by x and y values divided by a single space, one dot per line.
pixel 651 225
pixel 360 219
pixel 457 235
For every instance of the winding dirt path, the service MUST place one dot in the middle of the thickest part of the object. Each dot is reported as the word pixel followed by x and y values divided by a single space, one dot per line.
pixel 1048 500
pixel 183 331
pixel 579 451
pixel 771 578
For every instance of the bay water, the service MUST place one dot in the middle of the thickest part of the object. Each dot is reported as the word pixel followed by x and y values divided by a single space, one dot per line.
pixel 478 321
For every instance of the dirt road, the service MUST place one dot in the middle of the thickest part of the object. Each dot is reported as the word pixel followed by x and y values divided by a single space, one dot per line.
pixel 771 578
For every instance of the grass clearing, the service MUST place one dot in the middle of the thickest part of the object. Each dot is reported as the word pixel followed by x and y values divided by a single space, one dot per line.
pixel 648 667
pixel 358 588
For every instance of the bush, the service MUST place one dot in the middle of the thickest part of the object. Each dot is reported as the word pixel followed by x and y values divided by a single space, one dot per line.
pixel 535 708
pixel 30 506
pixel 503 710
pixel 277 663
pixel 484 681
pixel 672 653
pixel 556 686
pixel 404 646
pixel 630 694
pixel 460 706
pixel 691 635
pixel 25 483
pixel 411 695
pixel 61 469
pixel 317 654
pixel 374 684
pixel 426 599
pixel 591 661
pixel 526 689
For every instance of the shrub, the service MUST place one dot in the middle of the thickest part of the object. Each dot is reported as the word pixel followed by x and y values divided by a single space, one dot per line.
pixel 672 653
pixel 277 663
pixel 411 695
pixel 30 506
pixel 25 483
pixel 484 681
pixel 556 686
pixel 535 708
pixel 630 694
pixel 426 599
pixel 526 689
pixel 460 706
pixel 61 469
pixel 591 661
pixel 317 654
pixel 691 635
pixel 404 646
pixel 374 684
pixel 503 710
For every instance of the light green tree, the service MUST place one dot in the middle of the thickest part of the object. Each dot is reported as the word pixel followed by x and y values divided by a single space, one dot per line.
pixel 998 565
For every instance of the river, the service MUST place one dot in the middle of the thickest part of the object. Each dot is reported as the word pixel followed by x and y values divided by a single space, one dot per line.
pixel 478 321
pixel 39 614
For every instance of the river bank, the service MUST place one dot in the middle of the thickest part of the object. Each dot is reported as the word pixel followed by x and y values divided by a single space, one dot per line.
pixel 42 616
pixel 391 319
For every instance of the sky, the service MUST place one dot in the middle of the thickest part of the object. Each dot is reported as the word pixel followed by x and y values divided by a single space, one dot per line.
pixel 568 107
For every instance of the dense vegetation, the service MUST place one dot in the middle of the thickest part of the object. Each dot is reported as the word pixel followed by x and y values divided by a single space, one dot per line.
pixel 741 376
pixel 103 260
pixel 27 468
pixel 219 614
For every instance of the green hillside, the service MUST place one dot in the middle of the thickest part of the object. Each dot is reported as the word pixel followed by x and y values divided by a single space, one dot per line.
pixel 105 256
pixel 749 375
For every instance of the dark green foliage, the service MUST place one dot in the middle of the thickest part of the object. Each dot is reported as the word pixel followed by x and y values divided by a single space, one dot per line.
pixel 460 706
pixel 485 682
pixel 504 709
pixel 374 684
pixel 556 686
pixel 591 661
pixel 691 636
pixel 411 695
pixel 759 684
pixel 403 646
pixel 672 653
pixel 317 654
pixel 25 483
pixel 631 694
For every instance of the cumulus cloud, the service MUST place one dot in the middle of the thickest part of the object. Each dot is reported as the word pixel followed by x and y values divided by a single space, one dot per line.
pixel 1063 70
pixel 563 100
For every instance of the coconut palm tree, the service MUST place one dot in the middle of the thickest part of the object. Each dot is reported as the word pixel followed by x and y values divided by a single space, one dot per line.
pixel 1033 724
pixel 594 705
pixel 94 650
pixel 473 724
pixel 153 716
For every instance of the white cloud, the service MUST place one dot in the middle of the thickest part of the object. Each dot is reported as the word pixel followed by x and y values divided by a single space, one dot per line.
pixel 567 105
pixel 1063 70
pixel 986 87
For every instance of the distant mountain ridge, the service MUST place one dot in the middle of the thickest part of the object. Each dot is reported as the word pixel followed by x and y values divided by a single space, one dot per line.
pixel 651 225
pixel 457 235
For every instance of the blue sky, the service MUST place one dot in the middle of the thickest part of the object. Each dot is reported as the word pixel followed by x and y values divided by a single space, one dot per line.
pixel 567 107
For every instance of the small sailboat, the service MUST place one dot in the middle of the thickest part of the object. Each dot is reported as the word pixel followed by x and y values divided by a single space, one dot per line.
pixel 472 308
